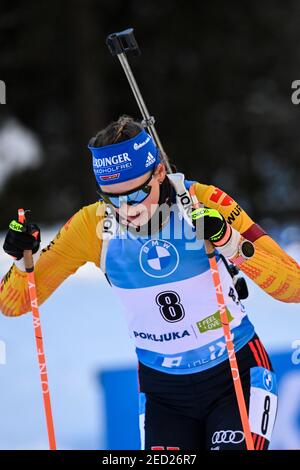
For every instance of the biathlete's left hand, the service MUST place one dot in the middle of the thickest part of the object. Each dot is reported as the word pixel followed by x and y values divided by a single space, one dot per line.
pixel 210 224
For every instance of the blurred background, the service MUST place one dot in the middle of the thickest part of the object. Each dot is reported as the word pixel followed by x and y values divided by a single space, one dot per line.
pixel 217 76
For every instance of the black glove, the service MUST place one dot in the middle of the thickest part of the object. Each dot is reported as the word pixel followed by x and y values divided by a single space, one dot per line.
pixel 21 237
pixel 209 224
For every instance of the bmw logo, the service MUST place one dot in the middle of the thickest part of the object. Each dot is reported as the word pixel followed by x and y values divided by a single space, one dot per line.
pixel 268 380
pixel 158 258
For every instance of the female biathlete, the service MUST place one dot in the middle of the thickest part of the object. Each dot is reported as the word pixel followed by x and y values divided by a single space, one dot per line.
pixel 151 250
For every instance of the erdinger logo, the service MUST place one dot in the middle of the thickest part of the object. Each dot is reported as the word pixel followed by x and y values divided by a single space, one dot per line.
pixel 227 437
pixel 158 258
pixel 109 161
pixel 268 380
pixel 111 166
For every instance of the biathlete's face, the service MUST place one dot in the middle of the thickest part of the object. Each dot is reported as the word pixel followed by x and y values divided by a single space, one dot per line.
pixel 136 200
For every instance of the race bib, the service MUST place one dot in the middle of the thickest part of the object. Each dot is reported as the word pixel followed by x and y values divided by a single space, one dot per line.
pixel 263 401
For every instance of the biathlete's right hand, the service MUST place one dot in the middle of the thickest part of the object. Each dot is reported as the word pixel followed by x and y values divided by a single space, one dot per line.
pixel 21 237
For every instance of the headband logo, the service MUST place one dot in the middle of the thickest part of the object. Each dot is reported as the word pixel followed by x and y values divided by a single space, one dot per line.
pixel 124 160
pixel 110 177
pixel 138 146
pixel 150 160
pixel 114 160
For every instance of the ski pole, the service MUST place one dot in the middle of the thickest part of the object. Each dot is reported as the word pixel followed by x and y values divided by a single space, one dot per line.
pixel 227 334
pixel 29 266
pixel 119 44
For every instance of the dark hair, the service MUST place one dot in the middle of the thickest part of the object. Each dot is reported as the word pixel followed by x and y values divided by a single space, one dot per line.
pixel 117 131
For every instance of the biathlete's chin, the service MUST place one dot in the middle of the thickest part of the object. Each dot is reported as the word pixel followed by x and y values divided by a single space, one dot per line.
pixel 137 216
pixel 137 220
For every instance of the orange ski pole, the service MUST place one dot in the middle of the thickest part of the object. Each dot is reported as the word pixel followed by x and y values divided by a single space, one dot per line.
pixel 227 333
pixel 29 265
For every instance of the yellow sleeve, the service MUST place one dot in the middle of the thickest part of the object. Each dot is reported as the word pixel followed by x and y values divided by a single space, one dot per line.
pixel 74 245
pixel 271 268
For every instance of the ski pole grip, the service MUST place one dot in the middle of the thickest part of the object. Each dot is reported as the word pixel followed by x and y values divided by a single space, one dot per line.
pixel 28 258
pixel 122 42
pixel 21 216
pixel 28 261
pixel 209 248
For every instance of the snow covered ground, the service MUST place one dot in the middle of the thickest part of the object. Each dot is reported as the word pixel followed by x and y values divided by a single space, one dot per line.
pixel 84 332
pixel 19 148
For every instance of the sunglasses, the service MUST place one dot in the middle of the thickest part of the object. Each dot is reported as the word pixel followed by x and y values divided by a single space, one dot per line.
pixel 131 198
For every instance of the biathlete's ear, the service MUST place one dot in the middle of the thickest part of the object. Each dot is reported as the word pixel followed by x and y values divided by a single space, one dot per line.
pixel 160 172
